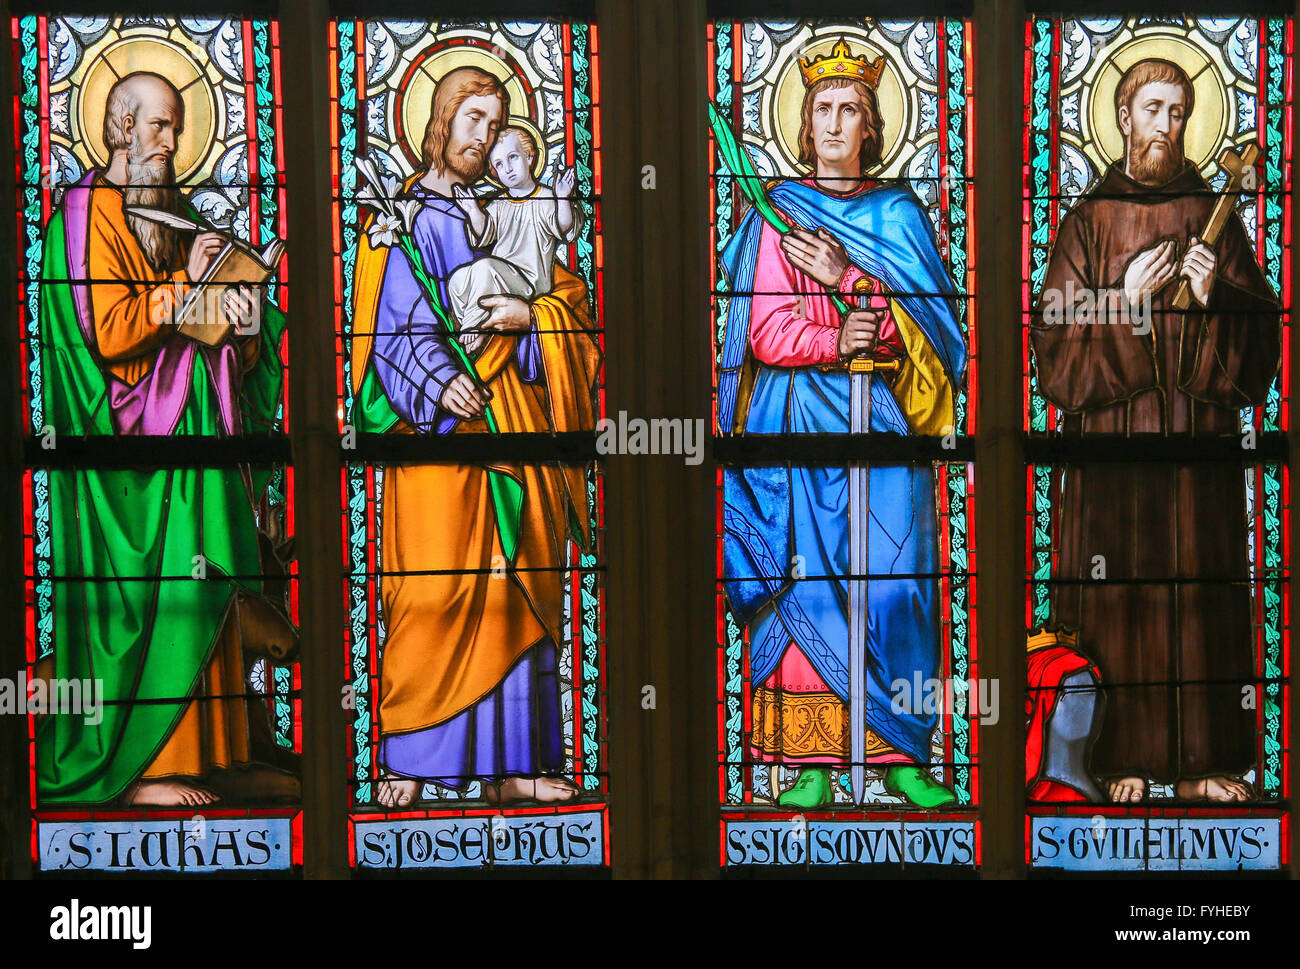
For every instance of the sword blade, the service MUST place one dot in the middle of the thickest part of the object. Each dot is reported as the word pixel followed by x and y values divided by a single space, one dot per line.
pixel 859 524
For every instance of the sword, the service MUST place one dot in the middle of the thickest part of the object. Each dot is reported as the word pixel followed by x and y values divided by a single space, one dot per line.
pixel 860 370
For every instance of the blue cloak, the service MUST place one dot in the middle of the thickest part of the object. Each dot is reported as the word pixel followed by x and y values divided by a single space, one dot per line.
pixel 771 515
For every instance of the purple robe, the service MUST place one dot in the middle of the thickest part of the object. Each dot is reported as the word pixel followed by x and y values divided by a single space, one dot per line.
pixel 411 354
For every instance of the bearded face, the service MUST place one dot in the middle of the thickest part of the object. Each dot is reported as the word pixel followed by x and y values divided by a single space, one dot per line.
pixel 466 157
pixel 1155 159
pixel 471 132
pixel 1153 123
pixel 151 182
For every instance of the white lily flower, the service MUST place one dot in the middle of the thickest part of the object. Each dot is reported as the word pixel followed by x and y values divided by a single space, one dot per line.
pixel 407 210
pixel 368 198
pixel 367 169
pixel 384 230
pixel 370 194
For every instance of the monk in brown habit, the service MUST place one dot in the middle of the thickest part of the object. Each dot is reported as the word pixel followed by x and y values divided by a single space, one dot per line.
pixel 1175 648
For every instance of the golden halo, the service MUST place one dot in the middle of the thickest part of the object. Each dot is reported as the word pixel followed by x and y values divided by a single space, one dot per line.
pixel 787 102
pixel 539 163
pixel 416 98
pixel 1207 125
pixel 164 58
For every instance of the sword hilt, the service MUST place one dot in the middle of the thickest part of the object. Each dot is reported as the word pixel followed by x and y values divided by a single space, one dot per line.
pixel 861 287
pixel 864 363
pixel 868 365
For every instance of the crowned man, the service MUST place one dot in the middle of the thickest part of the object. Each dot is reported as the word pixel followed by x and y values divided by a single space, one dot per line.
pixel 168 648
pixel 472 585
pixel 1171 627
pixel 785 371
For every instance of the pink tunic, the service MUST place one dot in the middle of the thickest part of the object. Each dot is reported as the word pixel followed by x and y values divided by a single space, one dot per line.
pixel 793 322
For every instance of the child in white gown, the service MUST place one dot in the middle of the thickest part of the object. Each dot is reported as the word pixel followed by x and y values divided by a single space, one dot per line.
pixel 523 228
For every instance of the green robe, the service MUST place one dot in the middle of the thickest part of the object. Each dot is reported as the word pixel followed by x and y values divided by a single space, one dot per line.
pixel 126 609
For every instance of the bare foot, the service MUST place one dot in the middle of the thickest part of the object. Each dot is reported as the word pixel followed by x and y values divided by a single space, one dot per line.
pixel 168 793
pixel 397 792
pixel 543 789
pixel 1217 788
pixel 1126 790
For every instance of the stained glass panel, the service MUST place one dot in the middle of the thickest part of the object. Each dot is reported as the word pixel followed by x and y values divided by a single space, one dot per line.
pixel 848 695
pixel 1157 309
pixel 468 285
pixel 924 96
pixel 152 294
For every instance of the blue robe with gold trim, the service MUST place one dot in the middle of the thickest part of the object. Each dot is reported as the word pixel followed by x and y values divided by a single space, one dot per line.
pixel 774 517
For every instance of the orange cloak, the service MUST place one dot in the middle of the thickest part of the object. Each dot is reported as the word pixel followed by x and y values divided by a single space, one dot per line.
pixel 458 614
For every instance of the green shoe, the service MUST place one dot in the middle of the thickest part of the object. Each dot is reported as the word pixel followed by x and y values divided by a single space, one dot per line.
pixel 918 787
pixel 811 790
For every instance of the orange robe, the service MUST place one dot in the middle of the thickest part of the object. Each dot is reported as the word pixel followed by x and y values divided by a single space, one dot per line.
pixel 455 631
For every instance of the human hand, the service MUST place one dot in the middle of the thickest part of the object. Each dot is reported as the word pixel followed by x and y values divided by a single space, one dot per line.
pixel 819 255
pixel 564 185
pixel 464 198
pixel 204 249
pixel 1150 271
pixel 464 398
pixel 1199 263
pixel 241 305
pixel 507 314
pixel 859 331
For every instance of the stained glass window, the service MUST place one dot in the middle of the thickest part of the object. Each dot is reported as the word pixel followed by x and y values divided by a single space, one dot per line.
pixel 841 203
pixel 161 589
pixel 1157 309
pixel 448 324
pixel 470 384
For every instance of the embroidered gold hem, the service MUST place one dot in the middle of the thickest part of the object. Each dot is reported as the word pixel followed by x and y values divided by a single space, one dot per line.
pixel 805 725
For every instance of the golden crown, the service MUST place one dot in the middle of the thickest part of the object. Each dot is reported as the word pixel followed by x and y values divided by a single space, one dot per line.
pixel 1043 637
pixel 841 63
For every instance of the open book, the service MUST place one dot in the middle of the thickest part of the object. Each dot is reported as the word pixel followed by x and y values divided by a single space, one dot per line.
pixel 203 316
